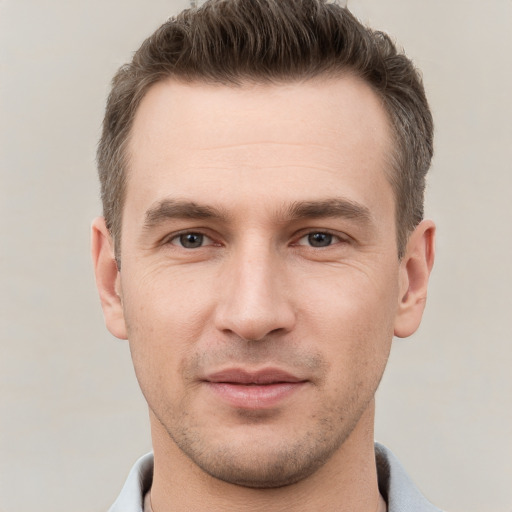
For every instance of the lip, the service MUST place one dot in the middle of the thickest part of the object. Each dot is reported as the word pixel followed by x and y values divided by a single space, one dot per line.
pixel 262 389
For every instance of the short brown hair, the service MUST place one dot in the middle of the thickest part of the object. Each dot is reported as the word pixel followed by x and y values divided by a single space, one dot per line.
pixel 231 42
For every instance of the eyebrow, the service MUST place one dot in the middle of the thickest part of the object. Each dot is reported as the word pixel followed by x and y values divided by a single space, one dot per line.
pixel 167 209
pixel 178 209
pixel 335 207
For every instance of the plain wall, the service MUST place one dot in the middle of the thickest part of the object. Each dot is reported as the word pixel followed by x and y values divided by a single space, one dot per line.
pixel 72 419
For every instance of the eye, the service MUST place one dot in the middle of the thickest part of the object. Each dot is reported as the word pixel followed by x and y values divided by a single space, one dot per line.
pixel 191 240
pixel 319 239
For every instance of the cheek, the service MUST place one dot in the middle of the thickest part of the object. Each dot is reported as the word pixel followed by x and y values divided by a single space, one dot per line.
pixel 171 301
pixel 165 318
pixel 352 299
pixel 352 318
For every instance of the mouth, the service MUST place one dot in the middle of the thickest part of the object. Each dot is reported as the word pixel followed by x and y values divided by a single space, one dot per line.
pixel 261 389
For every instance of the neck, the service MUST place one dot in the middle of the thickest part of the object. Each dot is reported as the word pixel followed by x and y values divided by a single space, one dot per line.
pixel 346 482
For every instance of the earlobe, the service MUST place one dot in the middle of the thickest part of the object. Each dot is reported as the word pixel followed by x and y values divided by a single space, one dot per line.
pixel 107 278
pixel 415 269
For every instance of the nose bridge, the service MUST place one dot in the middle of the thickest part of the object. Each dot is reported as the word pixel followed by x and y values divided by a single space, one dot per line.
pixel 255 302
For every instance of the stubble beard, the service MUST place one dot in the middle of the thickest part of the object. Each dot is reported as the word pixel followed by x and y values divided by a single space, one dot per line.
pixel 279 450
pixel 264 466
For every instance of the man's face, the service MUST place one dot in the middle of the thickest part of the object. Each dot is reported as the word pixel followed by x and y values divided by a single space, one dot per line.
pixel 260 283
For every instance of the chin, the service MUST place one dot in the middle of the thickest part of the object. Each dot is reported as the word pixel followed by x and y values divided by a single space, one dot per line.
pixel 264 459
pixel 262 470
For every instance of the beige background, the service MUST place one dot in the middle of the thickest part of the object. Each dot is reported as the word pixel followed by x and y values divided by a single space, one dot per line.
pixel 72 420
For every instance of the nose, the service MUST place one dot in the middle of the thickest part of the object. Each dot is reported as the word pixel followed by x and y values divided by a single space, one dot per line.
pixel 255 299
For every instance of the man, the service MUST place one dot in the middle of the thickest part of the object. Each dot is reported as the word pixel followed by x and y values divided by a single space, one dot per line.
pixel 262 167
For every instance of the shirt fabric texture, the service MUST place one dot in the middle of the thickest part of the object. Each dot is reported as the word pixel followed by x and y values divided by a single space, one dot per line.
pixel 396 487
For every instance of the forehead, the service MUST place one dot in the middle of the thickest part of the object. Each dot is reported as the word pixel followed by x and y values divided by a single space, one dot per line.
pixel 196 112
pixel 304 138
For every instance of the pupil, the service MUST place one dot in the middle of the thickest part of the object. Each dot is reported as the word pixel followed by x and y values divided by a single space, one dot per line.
pixel 320 239
pixel 191 240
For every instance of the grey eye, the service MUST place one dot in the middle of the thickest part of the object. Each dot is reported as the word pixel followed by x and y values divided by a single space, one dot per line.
pixel 319 239
pixel 190 240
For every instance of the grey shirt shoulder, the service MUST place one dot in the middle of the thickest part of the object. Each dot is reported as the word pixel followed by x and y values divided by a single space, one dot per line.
pixel 136 486
pixel 396 487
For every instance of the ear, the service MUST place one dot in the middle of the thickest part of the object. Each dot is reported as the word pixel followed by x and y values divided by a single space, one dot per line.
pixel 108 279
pixel 415 270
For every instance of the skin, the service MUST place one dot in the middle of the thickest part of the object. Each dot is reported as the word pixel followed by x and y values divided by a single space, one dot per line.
pixel 283 191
